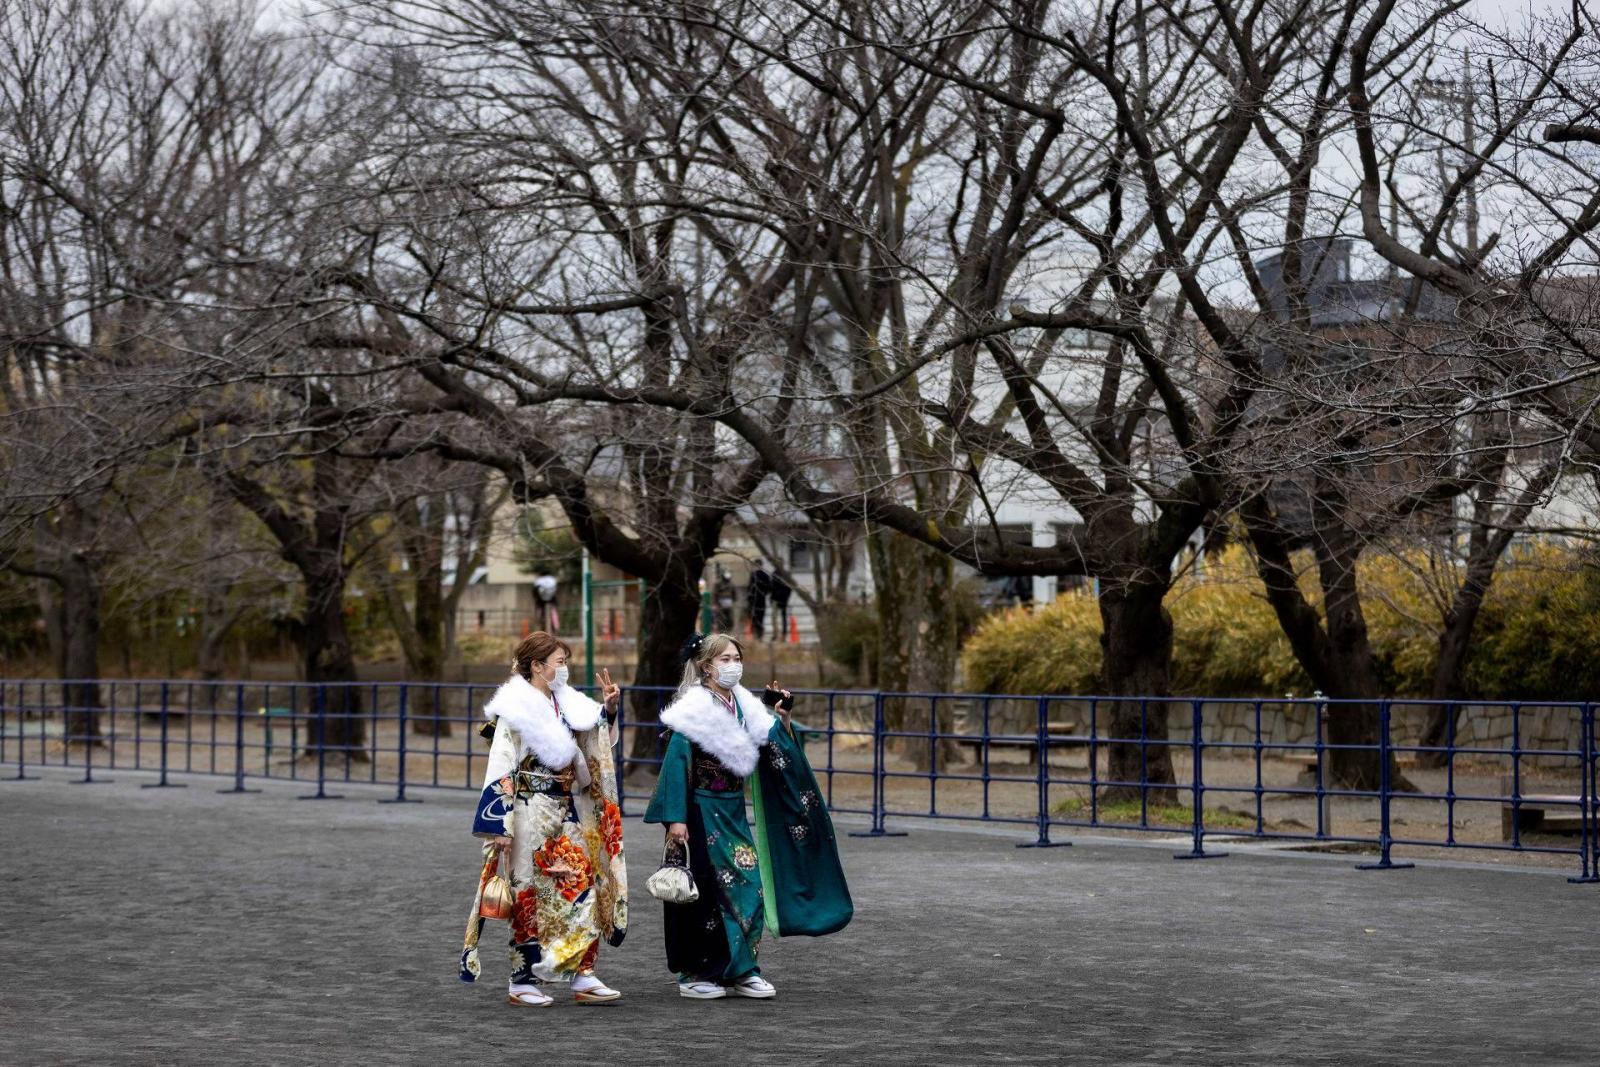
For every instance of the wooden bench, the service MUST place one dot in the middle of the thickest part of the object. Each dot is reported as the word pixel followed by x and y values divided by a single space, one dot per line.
pixel 1057 733
pixel 1541 813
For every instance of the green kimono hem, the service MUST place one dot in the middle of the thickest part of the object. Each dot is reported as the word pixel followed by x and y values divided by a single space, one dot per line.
pixel 769 899
pixel 806 892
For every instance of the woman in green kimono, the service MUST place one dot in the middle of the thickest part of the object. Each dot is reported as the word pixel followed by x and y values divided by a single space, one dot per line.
pixel 782 873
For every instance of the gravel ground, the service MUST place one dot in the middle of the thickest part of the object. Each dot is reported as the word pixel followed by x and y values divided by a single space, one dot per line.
pixel 184 927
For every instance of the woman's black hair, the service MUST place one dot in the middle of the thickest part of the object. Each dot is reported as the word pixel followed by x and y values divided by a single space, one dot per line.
pixel 691 647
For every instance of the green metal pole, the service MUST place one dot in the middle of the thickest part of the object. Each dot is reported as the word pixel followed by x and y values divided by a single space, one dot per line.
pixel 588 621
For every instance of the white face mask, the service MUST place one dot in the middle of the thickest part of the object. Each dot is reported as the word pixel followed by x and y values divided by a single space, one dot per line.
pixel 560 678
pixel 728 674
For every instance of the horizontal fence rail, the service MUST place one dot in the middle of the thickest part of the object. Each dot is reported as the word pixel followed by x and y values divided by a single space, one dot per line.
pixel 1367 776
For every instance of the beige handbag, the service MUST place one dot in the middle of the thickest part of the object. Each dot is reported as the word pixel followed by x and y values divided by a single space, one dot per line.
pixel 499 899
pixel 673 883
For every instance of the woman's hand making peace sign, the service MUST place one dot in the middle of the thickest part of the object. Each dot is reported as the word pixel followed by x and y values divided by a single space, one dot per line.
pixel 610 693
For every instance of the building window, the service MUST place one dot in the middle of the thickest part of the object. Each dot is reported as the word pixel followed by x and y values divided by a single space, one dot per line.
pixel 800 554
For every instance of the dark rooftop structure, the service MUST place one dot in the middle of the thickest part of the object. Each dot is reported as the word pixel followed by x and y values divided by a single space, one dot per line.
pixel 1335 298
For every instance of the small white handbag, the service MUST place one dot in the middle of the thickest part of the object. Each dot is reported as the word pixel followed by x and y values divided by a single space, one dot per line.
pixel 673 883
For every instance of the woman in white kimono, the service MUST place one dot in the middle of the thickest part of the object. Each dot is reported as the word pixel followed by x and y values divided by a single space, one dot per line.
pixel 549 807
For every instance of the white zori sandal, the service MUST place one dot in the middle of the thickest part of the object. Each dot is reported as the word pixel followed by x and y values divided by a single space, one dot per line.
pixel 753 985
pixel 587 989
pixel 527 996
pixel 701 990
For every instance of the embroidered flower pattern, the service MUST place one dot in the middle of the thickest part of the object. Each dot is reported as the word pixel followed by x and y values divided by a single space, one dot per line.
pixel 779 760
pixel 611 828
pixel 525 917
pixel 809 799
pixel 523 960
pixel 799 833
pixel 725 877
pixel 744 857
pixel 560 851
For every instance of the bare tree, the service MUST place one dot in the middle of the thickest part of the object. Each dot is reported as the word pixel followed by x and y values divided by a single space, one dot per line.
pixel 1433 389
pixel 98 159
pixel 440 536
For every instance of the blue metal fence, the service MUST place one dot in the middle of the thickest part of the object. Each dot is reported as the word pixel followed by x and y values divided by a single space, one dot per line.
pixel 1205 769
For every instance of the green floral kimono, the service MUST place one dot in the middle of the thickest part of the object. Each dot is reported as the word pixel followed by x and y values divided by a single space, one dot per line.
pixel 781 873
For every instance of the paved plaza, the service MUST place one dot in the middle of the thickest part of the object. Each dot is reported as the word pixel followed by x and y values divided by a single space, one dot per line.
pixel 179 926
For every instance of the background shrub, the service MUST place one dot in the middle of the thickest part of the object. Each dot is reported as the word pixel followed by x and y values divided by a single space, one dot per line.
pixel 1538 636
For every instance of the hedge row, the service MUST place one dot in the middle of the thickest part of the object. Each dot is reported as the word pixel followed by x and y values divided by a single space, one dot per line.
pixel 1538 636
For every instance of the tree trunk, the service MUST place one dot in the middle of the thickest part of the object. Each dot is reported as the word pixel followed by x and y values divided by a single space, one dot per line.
pixel 1486 545
pixel 1447 687
pixel 80 648
pixel 216 622
pixel 1136 661
pixel 668 613
pixel 934 638
pixel 1352 671
pixel 886 555
pixel 916 645
pixel 328 658
pixel 1334 649
pixel 428 653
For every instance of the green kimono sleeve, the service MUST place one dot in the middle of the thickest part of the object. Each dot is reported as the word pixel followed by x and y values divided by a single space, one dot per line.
pixel 806 892
pixel 670 802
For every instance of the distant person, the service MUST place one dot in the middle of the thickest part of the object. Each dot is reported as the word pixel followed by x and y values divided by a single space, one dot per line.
pixel 724 598
pixel 1019 588
pixel 544 592
pixel 780 606
pixel 755 598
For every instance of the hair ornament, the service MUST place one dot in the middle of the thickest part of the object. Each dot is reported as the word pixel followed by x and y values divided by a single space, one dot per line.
pixel 691 647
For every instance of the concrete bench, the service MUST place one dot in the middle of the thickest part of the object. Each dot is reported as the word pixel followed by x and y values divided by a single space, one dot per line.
pixel 1540 813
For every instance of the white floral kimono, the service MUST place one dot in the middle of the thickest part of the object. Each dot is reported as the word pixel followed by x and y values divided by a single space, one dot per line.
pixel 551 787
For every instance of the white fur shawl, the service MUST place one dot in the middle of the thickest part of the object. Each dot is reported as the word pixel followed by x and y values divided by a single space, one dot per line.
pixel 540 729
pixel 704 719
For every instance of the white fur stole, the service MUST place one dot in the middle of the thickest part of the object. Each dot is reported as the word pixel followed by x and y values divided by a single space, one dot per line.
pixel 704 719
pixel 540 728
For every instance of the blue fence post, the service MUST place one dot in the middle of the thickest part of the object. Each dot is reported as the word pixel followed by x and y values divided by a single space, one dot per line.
pixel 1197 789
pixel 162 783
pixel 89 738
pixel 1586 799
pixel 878 795
pixel 1593 793
pixel 238 739
pixel 1044 779
pixel 400 774
pixel 1260 792
pixel 1384 838
pixel 1094 762
pixel 22 774
pixel 1319 717
pixel 322 748
pixel 1450 777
